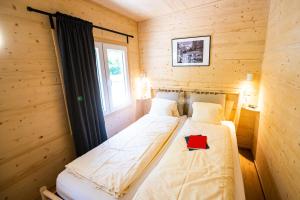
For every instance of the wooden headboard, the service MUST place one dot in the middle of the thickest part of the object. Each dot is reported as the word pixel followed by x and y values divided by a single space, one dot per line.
pixel 233 96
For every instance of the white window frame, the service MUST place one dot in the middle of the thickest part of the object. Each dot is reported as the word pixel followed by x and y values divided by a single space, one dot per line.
pixel 105 76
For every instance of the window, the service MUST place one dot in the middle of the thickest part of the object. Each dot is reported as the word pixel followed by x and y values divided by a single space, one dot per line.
pixel 112 67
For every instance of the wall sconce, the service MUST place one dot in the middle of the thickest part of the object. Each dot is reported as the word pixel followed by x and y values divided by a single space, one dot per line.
pixel 249 77
pixel 143 88
pixel 248 90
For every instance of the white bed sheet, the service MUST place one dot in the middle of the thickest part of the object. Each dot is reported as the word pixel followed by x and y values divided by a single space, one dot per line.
pixel 117 162
pixel 239 193
pixel 70 187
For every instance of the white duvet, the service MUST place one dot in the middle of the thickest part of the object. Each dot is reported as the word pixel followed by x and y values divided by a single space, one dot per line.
pixel 193 175
pixel 115 164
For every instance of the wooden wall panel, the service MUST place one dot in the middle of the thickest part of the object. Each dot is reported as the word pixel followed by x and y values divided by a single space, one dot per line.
pixel 238 37
pixel 35 141
pixel 278 148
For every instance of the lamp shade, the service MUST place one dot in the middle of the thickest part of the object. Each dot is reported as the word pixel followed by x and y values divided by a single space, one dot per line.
pixel 143 88
pixel 249 77
pixel 248 89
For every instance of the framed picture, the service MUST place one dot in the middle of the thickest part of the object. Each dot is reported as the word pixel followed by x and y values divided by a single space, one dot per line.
pixel 192 51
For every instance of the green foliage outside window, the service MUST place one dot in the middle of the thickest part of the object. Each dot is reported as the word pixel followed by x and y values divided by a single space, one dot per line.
pixel 114 67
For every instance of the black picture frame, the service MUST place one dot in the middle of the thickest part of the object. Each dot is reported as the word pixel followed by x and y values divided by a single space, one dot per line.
pixel 204 55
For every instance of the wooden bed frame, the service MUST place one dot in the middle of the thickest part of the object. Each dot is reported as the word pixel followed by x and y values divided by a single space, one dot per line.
pixel 46 194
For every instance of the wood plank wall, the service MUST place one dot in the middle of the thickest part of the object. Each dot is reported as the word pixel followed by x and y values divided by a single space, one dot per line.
pixel 35 141
pixel 278 149
pixel 238 37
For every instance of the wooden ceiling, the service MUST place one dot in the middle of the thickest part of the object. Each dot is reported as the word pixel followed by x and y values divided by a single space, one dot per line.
pixel 140 10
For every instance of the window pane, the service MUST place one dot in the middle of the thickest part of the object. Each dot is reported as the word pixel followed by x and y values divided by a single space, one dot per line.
pixel 118 78
pixel 100 79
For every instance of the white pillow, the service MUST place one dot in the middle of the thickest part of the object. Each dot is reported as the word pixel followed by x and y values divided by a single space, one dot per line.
pixel 207 112
pixel 164 107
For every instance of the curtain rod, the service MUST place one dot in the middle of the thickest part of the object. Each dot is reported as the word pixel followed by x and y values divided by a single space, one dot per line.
pixel 50 15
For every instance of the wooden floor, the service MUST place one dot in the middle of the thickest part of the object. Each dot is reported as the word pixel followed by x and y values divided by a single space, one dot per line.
pixel 253 190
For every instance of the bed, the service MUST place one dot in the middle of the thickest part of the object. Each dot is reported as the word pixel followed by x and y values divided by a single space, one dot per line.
pixel 70 185
pixel 212 173
pixel 116 163
pixel 177 177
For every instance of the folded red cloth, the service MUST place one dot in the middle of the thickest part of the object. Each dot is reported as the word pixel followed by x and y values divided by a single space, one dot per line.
pixel 197 141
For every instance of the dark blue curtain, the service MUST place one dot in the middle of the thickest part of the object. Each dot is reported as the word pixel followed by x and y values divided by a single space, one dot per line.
pixel 77 50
